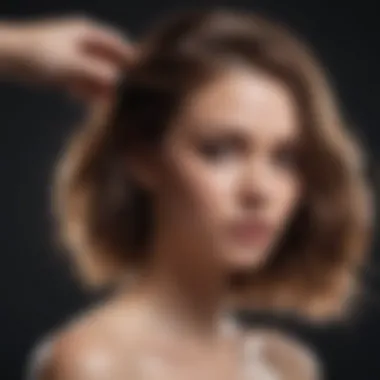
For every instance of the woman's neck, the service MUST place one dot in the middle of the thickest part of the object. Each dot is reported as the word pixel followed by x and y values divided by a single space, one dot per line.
pixel 188 299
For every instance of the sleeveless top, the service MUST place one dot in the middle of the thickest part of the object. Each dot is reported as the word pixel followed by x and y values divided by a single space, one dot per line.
pixel 254 363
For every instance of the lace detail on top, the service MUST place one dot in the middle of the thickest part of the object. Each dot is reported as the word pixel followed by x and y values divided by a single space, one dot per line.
pixel 255 365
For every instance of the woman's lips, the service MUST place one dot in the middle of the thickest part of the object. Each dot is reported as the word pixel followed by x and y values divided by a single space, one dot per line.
pixel 252 231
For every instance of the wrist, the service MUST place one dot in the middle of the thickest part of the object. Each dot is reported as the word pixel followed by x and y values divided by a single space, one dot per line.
pixel 13 47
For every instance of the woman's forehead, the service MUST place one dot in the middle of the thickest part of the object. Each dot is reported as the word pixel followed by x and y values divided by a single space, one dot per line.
pixel 247 101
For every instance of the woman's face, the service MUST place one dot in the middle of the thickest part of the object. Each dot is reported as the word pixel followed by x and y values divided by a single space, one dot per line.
pixel 229 182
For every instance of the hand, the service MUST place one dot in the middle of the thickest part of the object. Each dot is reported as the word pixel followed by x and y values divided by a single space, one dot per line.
pixel 84 57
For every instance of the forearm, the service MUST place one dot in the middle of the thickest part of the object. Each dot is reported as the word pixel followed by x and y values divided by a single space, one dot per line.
pixel 12 50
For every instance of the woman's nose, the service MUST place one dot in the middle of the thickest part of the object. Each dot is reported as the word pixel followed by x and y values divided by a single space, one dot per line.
pixel 256 186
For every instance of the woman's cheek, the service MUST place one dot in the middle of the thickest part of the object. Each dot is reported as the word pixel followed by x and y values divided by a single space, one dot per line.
pixel 209 187
pixel 289 192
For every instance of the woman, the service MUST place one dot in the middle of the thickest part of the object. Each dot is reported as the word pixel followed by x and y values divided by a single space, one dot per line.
pixel 223 178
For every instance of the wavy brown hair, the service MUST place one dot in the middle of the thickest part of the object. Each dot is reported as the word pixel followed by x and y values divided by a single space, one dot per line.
pixel 104 217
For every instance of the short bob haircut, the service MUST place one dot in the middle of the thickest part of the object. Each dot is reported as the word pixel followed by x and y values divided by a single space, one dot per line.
pixel 104 217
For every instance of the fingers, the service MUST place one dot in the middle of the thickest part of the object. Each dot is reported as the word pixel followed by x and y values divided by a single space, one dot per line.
pixel 93 77
pixel 108 54
pixel 93 59
pixel 109 44
pixel 98 70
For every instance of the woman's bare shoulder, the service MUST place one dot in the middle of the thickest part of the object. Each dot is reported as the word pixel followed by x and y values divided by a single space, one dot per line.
pixel 61 358
pixel 84 349
pixel 288 355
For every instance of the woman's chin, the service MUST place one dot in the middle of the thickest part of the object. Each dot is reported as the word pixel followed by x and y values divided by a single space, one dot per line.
pixel 244 261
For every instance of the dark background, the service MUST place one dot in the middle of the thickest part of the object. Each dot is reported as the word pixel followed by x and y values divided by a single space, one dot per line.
pixel 36 290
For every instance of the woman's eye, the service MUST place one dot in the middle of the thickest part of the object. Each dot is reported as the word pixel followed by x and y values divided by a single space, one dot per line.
pixel 217 150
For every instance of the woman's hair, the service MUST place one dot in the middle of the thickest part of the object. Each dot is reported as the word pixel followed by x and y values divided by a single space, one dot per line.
pixel 104 217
